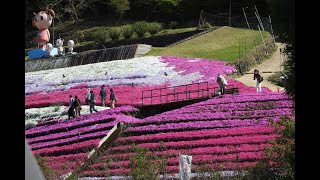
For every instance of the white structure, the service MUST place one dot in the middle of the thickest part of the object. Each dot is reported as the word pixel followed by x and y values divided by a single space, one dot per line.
pixel 59 44
pixel 70 46
pixel 185 167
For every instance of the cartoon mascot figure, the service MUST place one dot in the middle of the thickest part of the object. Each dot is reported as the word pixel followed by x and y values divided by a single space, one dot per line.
pixel 42 20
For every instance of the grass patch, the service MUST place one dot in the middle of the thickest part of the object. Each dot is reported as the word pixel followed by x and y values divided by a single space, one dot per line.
pixel 221 44
pixel 176 31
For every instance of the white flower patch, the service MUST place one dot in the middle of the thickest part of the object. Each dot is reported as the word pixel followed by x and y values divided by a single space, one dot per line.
pixel 193 60
pixel 34 115
pixel 148 70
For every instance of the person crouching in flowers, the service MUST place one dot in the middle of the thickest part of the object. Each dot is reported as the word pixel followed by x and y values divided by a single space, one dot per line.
pixel 222 83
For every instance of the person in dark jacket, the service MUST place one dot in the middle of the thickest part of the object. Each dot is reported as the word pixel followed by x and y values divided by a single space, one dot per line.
pixel 103 95
pixel 259 78
pixel 77 105
pixel 71 107
pixel 113 98
pixel 92 102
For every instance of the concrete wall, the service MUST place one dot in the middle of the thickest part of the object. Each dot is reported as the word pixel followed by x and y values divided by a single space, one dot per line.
pixel 109 54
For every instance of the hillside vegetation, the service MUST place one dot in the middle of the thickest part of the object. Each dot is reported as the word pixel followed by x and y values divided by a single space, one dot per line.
pixel 221 44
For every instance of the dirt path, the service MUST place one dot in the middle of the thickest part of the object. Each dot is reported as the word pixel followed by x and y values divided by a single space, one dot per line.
pixel 272 64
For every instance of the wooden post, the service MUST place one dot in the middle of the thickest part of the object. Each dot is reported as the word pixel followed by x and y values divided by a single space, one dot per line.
pixel 142 97
pixel 186 92
pixel 239 57
pixel 160 96
pixel 280 60
pixel 151 96
pixel 230 14
pixel 198 90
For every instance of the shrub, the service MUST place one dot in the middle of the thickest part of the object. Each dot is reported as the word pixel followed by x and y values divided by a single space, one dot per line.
pixel 140 28
pixel 284 147
pixel 154 27
pixel 147 166
pixel 207 25
pixel 127 31
pixel 30 125
pixel 114 33
pixel 89 35
pixel 277 79
pixel 101 35
pixel 172 24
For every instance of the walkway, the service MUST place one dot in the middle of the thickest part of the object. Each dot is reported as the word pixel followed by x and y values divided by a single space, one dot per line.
pixel 272 64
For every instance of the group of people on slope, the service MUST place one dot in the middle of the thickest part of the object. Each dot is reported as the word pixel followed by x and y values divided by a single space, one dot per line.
pixel 222 82
pixel 90 99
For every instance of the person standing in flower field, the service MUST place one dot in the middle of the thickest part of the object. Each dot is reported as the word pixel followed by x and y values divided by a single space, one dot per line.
pixel 92 102
pixel 71 107
pixel 113 98
pixel 103 95
pixel 77 105
pixel 87 100
pixel 222 83
pixel 259 78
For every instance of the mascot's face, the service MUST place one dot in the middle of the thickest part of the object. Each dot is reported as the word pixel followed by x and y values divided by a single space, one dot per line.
pixel 42 20
pixel 59 42
pixel 70 43
pixel 49 47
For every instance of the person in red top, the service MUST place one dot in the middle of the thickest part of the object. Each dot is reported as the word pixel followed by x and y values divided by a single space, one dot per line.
pixel 42 20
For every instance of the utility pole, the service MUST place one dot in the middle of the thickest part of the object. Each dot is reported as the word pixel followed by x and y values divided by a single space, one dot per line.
pixel 274 41
pixel 200 20
pixel 52 32
pixel 246 18
pixel 263 39
pixel 239 58
pixel 258 17
pixel 230 14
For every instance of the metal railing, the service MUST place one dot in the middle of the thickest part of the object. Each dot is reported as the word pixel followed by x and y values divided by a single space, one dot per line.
pixel 177 93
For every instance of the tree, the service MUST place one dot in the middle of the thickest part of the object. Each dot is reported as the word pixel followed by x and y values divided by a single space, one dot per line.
pixel 120 6
pixel 74 8
pixel 283 20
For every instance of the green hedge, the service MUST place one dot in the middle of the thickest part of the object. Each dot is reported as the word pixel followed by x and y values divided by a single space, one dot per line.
pixel 114 33
pixel 140 28
pixel 127 31
pixel 101 35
